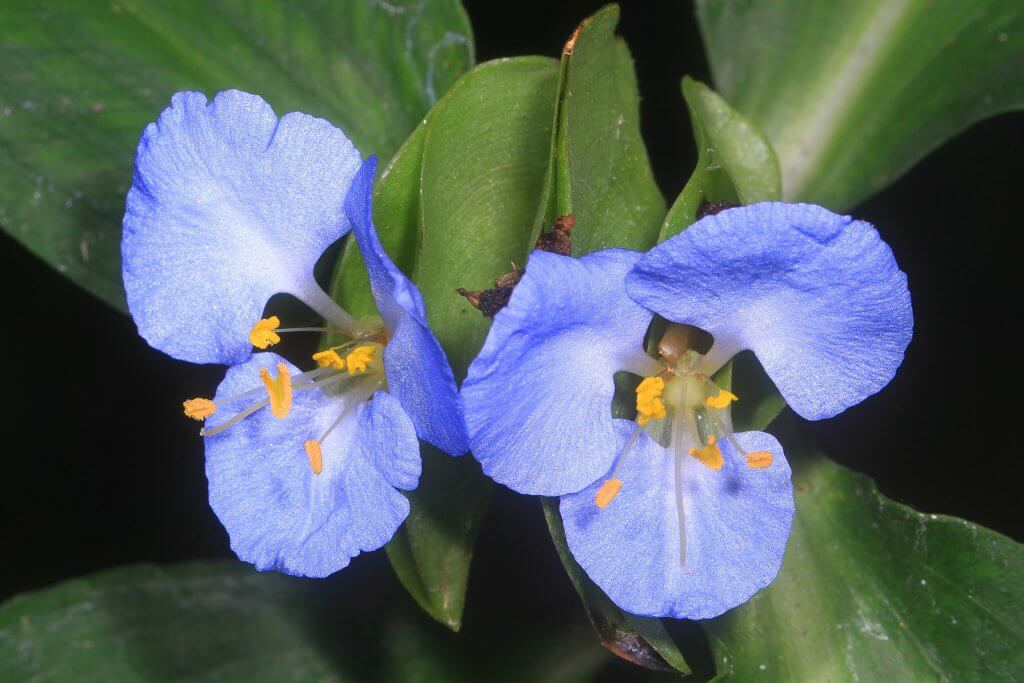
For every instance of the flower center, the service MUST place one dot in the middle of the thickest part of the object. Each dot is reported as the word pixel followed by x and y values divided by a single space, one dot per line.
pixel 683 407
pixel 353 370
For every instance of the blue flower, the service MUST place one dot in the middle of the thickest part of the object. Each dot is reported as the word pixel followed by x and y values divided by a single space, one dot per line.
pixel 674 514
pixel 230 205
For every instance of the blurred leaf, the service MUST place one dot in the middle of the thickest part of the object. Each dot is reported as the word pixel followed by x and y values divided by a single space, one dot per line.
pixel 640 640
pixel 852 93
pixel 223 621
pixel 735 163
pixel 455 208
pixel 82 79
pixel 871 590
pixel 600 168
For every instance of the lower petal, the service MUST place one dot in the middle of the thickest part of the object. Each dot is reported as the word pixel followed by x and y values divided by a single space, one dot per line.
pixel 282 516
pixel 737 523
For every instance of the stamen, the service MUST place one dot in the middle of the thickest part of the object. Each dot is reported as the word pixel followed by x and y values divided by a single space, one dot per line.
pixel 648 400
pixel 263 335
pixel 710 454
pixel 721 400
pixel 759 460
pixel 234 420
pixel 607 492
pixel 279 390
pixel 329 358
pixel 199 408
pixel 316 456
pixel 360 357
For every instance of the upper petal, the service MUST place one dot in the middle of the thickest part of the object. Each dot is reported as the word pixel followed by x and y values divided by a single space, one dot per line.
pixel 415 364
pixel 228 206
pixel 738 520
pixel 538 396
pixel 817 296
pixel 277 512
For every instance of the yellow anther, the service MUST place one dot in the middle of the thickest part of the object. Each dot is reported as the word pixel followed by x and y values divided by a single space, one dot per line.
pixel 360 357
pixel 606 494
pixel 316 456
pixel 279 390
pixel 648 400
pixel 329 358
pixel 199 408
pixel 262 334
pixel 759 459
pixel 721 400
pixel 710 455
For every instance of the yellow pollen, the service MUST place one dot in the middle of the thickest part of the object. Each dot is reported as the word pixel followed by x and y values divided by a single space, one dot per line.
pixel 279 390
pixel 199 408
pixel 648 400
pixel 710 455
pixel 721 400
pixel 316 456
pixel 360 357
pixel 329 358
pixel 262 334
pixel 759 459
pixel 606 494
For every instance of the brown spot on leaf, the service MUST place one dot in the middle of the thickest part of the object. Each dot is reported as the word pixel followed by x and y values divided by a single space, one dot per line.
pixel 711 208
pixel 557 240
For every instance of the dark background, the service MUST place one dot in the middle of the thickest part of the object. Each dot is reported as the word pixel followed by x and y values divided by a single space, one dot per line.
pixel 102 470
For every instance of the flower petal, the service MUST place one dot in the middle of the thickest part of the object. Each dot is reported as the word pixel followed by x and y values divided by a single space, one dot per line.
pixel 416 366
pixel 228 206
pixel 817 296
pixel 538 396
pixel 278 513
pixel 737 522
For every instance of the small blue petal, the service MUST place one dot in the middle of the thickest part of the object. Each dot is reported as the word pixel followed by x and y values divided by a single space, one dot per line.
pixel 539 395
pixel 737 523
pixel 817 296
pixel 278 513
pixel 228 206
pixel 416 366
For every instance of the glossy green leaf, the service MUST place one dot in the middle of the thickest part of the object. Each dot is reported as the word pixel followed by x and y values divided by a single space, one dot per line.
pixel 222 621
pixel 735 162
pixel 871 590
pixel 601 171
pixel 852 93
pixel 81 80
pixel 455 208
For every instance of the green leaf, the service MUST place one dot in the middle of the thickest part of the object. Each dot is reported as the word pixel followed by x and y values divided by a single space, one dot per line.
pixel 223 621
pixel 640 640
pixel 456 207
pixel 601 170
pixel 81 80
pixel 735 162
pixel 872 590
pixel 852 93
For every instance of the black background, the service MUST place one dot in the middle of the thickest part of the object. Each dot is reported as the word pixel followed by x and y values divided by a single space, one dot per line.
pixel 100 469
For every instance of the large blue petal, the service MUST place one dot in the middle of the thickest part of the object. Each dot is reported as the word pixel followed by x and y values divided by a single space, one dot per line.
pixel 415 364
pixel 817 296
pixel 737 522
pixel 277 512
pixel 538 396
pixel 228 206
